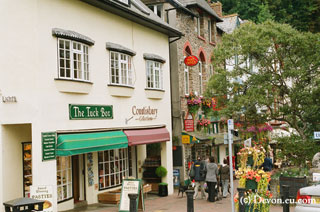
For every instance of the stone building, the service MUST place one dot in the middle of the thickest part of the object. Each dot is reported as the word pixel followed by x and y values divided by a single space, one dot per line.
pixel 198 22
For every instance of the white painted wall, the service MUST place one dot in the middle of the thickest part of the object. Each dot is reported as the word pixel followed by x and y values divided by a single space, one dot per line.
pixel 29 68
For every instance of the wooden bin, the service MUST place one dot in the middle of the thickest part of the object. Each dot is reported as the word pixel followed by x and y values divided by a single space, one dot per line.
pixel 110 197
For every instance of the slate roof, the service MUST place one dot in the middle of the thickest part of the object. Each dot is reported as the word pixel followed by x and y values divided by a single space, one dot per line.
pixel 137 12
pixel 203 5
pixel 230 23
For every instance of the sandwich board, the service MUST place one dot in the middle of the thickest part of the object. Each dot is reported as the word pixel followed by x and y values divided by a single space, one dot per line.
pixel 131 186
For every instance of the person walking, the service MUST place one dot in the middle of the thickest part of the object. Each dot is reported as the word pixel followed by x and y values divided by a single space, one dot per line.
pixel 211 179
pixel 198 174
pixel 224 173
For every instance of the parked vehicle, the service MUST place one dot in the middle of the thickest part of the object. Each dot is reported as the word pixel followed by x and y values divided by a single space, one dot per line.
pixel 308 199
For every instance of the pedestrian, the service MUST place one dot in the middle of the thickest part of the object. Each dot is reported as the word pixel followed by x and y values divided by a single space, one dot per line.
pixel 198 174
pixel 224 173
pixel 211 179
pixel 267 164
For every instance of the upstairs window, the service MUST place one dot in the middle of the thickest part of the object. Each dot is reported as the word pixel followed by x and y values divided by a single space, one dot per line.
pixel 154 75
pixel 157 9
pixel 186 79
pixel 120 69
pixel 200 25
pixel 211 31
pixel 200 78
pixel 73 60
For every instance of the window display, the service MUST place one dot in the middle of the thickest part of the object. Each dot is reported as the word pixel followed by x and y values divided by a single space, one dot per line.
pixel 27 168
pixel 113 167
pixel 64 178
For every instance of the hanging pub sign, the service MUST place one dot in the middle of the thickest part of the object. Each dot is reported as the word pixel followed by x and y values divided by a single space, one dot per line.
pixel 188 125
pixel 191 60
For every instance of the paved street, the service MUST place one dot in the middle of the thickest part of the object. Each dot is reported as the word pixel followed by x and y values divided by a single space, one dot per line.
pixel 172 203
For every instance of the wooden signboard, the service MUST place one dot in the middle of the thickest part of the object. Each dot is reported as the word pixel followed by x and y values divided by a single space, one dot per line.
pixel 131 186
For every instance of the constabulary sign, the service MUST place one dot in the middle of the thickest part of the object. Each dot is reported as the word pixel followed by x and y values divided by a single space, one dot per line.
pixel 191 60
pixel 48 145
pixel 78 112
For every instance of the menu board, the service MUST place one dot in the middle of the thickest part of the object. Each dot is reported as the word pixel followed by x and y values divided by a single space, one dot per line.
pixel 130 186
pixel 48 145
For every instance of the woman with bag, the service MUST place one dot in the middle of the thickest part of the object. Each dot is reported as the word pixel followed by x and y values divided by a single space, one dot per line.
pixel 224 177
pixel 211 179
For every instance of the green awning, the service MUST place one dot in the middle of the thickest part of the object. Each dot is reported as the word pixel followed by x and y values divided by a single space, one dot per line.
pixel 74 144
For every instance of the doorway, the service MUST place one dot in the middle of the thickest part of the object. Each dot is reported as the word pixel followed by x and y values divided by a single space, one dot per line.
pixel 78 178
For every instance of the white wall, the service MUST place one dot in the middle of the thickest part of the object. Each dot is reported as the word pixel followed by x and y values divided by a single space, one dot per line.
pixel 31 67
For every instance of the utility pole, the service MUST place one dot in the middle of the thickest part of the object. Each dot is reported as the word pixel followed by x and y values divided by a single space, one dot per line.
pixel 230 138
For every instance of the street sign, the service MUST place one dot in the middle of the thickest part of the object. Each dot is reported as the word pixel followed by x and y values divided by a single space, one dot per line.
pixel 317 135
pixel 230 124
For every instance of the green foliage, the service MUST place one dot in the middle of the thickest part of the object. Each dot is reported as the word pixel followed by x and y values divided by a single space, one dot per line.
pixel 286 73
pixel 302 15
pixel 161 171
pixel 296 151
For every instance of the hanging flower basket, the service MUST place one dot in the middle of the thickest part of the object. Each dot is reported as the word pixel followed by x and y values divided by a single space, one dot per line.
pixel 250 161
pixel 194 103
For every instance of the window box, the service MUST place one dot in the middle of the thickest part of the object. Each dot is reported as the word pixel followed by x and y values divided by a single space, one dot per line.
pixel 154 93
pixel 73 86
pixel 120 90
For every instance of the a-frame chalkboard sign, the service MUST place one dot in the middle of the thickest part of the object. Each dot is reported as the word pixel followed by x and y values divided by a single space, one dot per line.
pixel 131 186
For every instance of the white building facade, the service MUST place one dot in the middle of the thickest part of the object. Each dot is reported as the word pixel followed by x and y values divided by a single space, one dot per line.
pixel 94 78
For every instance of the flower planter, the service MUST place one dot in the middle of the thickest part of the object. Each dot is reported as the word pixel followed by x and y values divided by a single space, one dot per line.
pixel 249 208
pixel 250 161
pixel 163 190
pixel 251 184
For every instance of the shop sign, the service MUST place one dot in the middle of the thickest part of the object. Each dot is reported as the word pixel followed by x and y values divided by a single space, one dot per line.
pixel 130 186
pixel 316 135
pixel 48 145
pixel 145 113
pixel 185 139
pixel 316 177
pixel 78 112
pixel 176 177
pixel 189 125
pixel 44 193
pixel 191 60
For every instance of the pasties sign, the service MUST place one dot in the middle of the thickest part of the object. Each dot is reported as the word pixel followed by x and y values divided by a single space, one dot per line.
pixel 145 113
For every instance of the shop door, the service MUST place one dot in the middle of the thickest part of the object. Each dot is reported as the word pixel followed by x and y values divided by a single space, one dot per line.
pixel 78 178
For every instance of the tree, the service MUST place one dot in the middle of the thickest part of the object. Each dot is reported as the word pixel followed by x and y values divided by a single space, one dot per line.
pixel 284 84
pixel 302 15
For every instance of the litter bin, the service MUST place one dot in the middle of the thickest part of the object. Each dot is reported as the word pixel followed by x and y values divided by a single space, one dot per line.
pixel 23 205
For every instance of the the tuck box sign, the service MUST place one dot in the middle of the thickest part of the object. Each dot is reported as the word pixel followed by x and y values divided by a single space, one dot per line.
pixel 81 112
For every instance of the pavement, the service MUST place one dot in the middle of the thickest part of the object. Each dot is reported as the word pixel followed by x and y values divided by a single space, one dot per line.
pixel 172 203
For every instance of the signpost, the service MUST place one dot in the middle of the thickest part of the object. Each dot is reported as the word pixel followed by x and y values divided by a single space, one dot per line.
pixel 81 112
pixel 316 135
pixel 48 145
pixel 230 136
pixel 131 186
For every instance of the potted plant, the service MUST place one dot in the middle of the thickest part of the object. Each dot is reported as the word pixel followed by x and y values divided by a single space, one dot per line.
pixel 163 187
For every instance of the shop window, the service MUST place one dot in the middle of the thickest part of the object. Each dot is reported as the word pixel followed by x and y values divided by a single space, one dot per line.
pixel 211 31
pixel 120 69
pixel 113 167
pixel 27 168
pixel 73 60
pixel 64 178
pixel 154 75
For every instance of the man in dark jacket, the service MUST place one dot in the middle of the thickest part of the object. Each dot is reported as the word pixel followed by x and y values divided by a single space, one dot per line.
pixel 198 174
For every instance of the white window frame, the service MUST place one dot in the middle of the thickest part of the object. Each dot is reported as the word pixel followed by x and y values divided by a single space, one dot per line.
pixel 116 160
pixel 198 26
pixel 200 78
pixel 154 75
pixel 186 79
pixel 78 68
pixel 123 64
pixel 155 9
pixel 64 171
pixel 210 70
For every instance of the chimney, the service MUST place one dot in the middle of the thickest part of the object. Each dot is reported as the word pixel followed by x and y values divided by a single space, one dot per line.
pixel 217 7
